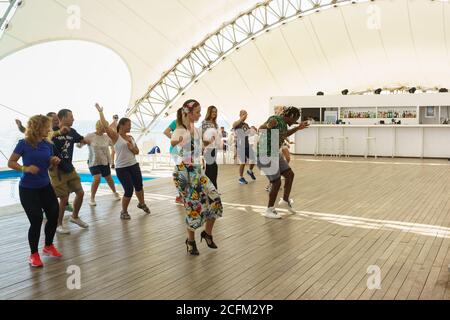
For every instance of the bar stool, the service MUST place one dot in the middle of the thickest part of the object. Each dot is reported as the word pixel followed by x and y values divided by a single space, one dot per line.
pixel 368 142
pixel 342 146
pixel 328 146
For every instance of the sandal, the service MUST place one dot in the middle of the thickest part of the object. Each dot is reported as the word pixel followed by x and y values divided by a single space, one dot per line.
pixel 125 216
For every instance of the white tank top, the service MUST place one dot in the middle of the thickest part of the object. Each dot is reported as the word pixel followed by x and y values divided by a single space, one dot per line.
pixel 124 157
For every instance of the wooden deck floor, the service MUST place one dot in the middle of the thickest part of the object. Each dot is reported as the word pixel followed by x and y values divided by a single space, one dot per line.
pixel 394 214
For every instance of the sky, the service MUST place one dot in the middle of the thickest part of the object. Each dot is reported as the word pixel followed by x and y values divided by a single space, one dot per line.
pixel 63 74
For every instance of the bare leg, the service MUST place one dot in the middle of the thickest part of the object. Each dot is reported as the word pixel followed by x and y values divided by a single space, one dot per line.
pixel 289 179
pixel 274 193
pixel 140 196
pixel 209 226
pixel 62 209
pixel 111 184
pixel 77 204
pixel 241 170
pixel 125 204
pixel 94 186
pixel 190 235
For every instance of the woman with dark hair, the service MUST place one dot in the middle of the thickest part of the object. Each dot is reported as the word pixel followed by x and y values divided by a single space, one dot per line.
pixel 210 140
pixel 200 197
pixel 36 192
pixel 127 168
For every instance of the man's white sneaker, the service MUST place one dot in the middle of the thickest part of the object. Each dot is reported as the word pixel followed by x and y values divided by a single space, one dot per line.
pixel 117 196
pixel 92 203
pixel 272 214
pixel 62 230
pixel 79 222
pixel 287 205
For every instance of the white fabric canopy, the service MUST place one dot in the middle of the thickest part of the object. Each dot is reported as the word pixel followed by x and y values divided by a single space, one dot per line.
pixel 355 47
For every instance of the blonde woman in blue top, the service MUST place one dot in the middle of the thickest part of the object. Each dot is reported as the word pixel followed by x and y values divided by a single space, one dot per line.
pixel 36 192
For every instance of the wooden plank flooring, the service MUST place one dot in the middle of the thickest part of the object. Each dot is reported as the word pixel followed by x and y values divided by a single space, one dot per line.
pixel 351 214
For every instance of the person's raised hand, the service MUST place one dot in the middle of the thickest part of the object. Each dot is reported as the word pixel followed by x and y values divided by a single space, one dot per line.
pixel 303 125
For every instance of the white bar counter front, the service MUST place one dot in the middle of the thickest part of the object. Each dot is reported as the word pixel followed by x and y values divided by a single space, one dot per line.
pixel 415 141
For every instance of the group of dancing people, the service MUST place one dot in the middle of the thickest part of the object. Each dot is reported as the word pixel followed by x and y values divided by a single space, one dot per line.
pixel 197 188
pixel 48 172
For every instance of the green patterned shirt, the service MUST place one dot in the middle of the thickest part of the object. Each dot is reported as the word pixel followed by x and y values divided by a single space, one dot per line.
pixel 264 146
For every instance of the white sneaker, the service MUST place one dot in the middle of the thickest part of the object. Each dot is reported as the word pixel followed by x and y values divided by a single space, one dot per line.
pixel 287 205
pixel 79 222
pixel 92 203
pixel 272 214
pixel 62 230
pixel 117 196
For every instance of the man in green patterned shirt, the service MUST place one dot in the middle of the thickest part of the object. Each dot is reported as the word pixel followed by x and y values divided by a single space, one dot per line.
pixel 271 162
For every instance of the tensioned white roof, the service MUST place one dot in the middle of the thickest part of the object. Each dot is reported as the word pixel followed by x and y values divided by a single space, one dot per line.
pixel 355 47
pixel 148 34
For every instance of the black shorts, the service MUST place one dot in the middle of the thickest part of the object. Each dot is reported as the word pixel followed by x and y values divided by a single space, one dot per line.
pixel 105 171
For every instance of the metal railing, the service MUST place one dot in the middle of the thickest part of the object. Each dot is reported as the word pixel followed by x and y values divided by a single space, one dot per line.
pixel 6 17
pixel 173 84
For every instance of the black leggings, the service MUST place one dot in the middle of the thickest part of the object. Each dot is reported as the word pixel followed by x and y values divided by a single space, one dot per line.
pixel 33 202
pixel 212 169
pixel 131 179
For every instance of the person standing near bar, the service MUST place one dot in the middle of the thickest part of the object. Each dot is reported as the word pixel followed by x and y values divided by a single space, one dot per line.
pixel 35 191
pixel 127 168
pixel 210 140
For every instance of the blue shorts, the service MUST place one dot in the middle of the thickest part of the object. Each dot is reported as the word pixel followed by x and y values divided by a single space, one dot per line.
pixel 105 171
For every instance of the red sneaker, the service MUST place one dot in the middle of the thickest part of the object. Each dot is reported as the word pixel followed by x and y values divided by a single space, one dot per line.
pixel 51 251
pixel 35 261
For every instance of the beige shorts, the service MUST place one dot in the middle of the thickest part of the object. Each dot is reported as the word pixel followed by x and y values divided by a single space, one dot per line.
pixel 65 183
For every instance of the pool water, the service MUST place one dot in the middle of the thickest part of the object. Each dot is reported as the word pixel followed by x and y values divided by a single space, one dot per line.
pixel 9 185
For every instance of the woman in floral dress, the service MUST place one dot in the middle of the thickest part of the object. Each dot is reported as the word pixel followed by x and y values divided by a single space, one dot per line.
pixel 200 197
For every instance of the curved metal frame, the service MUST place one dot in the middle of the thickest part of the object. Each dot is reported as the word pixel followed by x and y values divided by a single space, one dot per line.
pixel 173 84
pixel 9 13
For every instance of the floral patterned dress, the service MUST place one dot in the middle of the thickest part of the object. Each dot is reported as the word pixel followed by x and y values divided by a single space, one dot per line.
pixel 200 197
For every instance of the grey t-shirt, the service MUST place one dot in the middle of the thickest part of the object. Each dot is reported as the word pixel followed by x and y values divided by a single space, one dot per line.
pixel 99 154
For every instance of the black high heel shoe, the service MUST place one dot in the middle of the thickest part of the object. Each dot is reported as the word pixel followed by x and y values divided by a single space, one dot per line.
pixel 191 248
pixel 209 240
